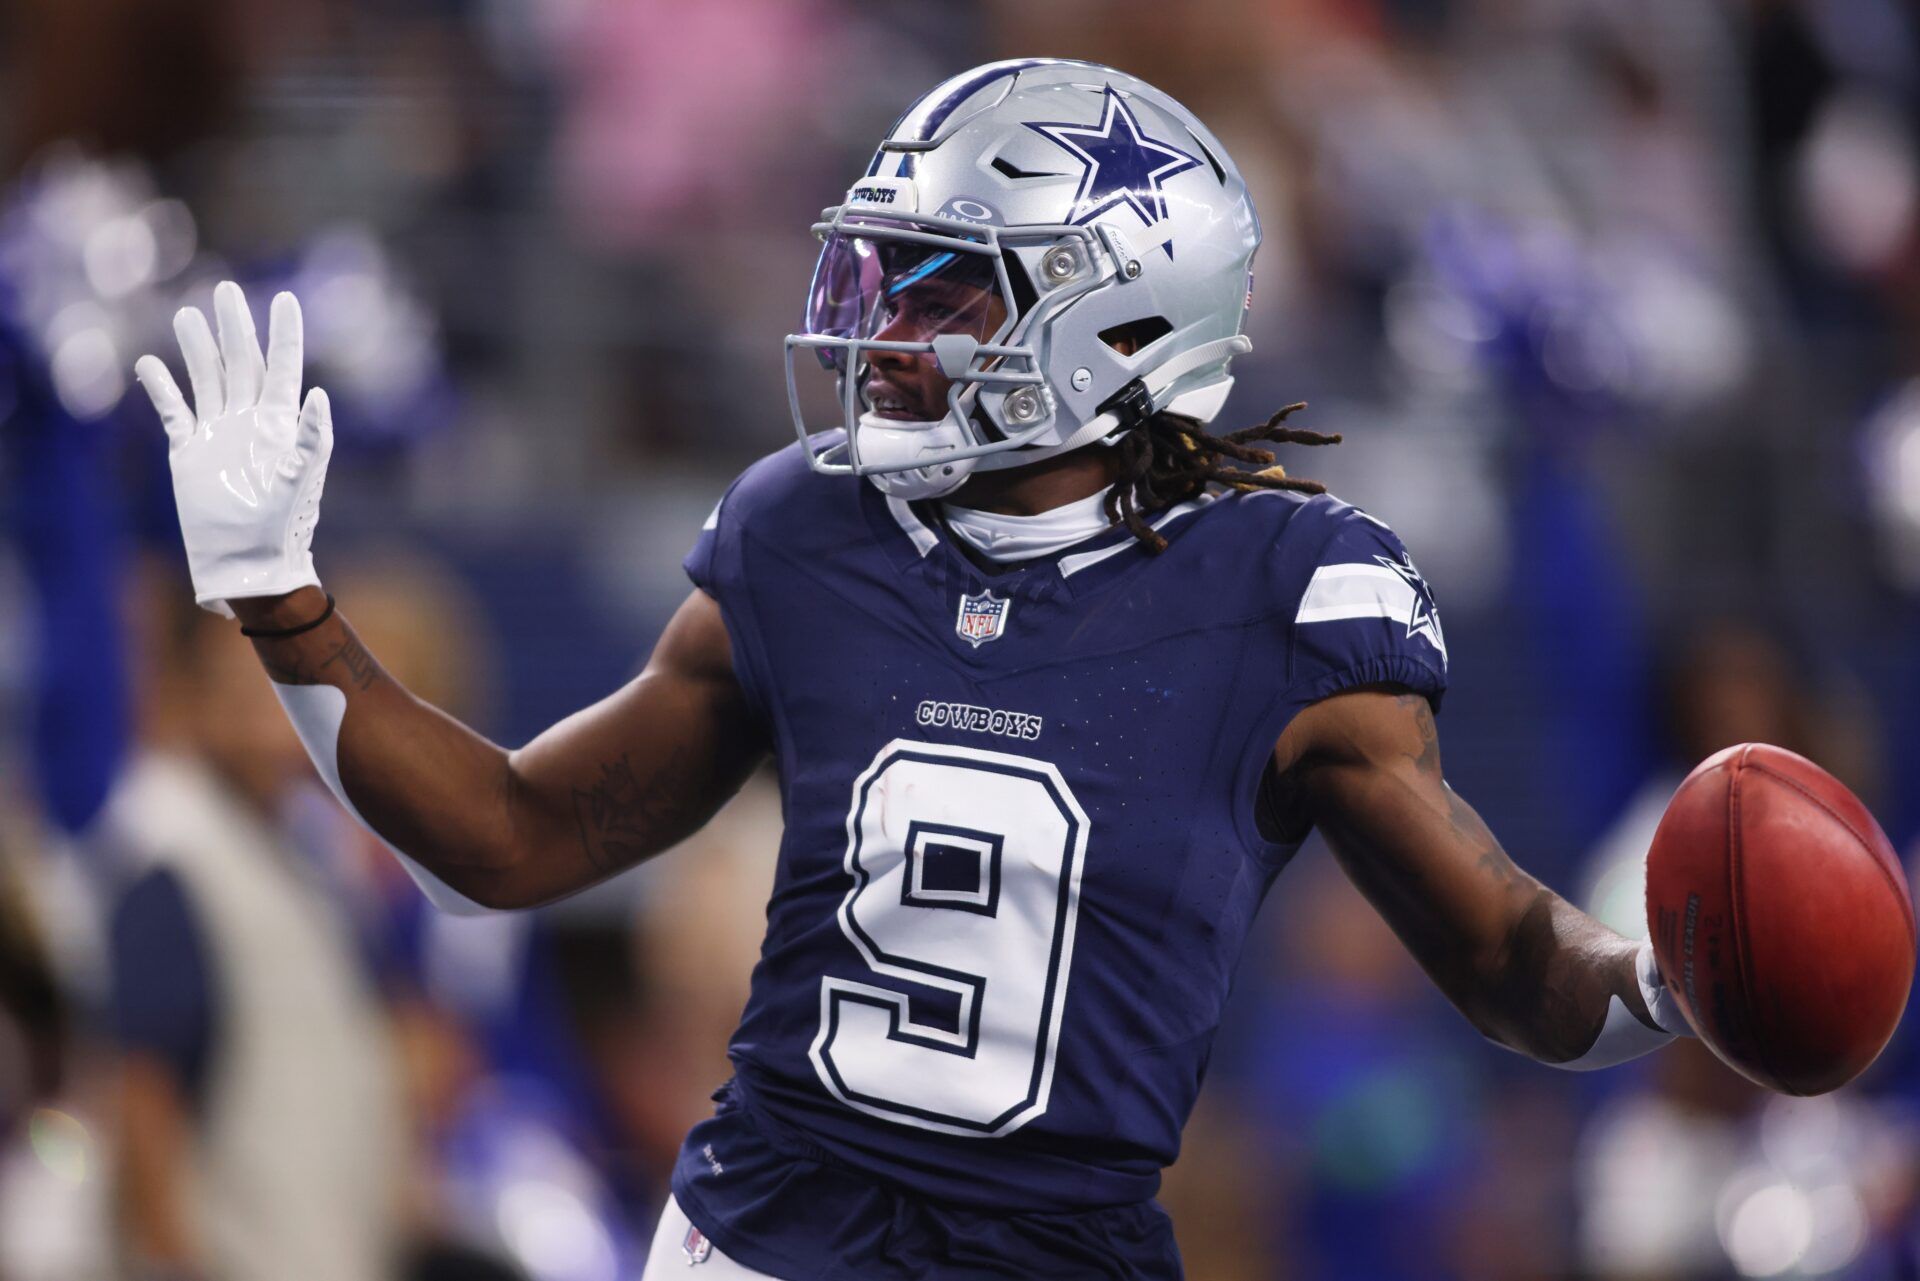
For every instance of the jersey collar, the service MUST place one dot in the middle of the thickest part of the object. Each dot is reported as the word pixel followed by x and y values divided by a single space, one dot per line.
pixel 913 535
pixel 1018 539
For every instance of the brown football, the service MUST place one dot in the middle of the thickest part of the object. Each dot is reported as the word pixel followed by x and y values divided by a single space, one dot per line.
pixel 1781 919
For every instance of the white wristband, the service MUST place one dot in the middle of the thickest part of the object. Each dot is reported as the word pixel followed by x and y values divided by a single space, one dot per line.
pixel 1660 1001
pixel 316 712
pixel 1623 1036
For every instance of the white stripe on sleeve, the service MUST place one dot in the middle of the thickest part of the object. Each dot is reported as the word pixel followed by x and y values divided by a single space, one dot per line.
pixel 1338 592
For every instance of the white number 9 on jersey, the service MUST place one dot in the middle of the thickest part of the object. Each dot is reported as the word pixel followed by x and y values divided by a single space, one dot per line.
pixel 966 885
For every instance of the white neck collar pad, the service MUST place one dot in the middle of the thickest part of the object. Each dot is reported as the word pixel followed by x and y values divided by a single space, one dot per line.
pixel 1016 538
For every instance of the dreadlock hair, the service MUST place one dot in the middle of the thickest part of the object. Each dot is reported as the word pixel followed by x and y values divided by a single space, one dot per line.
pixel 1170 458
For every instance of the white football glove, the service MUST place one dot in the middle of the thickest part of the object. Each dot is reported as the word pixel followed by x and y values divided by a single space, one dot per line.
pixel 248 460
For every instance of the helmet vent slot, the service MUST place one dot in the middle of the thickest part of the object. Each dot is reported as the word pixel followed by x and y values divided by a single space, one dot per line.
pixel 1219 171
pixel 1007 168
pixel 1136 335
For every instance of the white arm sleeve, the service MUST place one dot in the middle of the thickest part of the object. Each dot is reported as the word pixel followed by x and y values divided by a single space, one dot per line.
pixel 1623 1036
pixel 316 712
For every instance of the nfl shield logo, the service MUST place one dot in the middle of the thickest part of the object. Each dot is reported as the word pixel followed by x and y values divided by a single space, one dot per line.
pixel 982 618
pixel 696 1245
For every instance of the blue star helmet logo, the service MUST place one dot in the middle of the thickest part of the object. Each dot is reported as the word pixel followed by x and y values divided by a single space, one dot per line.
pixel 1122 165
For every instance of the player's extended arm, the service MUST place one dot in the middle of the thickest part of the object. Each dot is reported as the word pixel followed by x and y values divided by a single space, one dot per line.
pixel 604 789
pixel 479 826
pixel 1528 969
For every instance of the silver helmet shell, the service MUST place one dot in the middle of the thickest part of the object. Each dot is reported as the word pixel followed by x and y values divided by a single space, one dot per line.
pixel 1100 204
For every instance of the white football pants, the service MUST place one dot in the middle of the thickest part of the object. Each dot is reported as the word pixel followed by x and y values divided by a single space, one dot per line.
pixel 671 1258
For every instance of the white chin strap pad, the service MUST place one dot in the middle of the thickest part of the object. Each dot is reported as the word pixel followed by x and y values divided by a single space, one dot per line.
pixel 891 440
pixel 316 712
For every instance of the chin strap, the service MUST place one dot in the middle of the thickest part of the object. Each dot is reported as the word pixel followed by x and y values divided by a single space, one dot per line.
pixel 1140 399
pixel 1126 409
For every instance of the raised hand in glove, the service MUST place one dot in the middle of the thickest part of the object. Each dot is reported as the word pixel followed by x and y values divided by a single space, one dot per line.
pixel 248 459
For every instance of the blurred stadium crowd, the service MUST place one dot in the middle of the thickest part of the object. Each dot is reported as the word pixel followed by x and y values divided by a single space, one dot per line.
pixel 1617 303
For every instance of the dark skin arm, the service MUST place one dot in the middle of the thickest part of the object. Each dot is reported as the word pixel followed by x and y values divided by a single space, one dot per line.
pixel 1525 966
pixel 604 789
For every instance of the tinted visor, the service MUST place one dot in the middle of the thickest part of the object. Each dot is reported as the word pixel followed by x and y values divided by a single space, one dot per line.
pixel 889 290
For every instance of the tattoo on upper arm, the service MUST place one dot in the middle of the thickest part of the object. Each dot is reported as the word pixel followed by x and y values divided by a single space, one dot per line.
pixel 622 817
pixel 1466 824
pixel 1427 760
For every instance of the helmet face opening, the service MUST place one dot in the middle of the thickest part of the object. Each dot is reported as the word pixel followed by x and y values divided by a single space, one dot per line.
pixel 874 288
pixel 861 278
pixel 912 316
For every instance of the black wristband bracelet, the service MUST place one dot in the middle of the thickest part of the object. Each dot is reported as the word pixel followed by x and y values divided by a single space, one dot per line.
pixel 281 633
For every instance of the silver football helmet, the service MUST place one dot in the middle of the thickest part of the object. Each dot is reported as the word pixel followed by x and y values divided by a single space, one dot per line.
pixel 1042 254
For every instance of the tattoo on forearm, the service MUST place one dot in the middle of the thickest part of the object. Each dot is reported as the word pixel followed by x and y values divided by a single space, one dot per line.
pixel 1492 859
pixel 624 818
pixel 288 664
pixel 1559 967
pixel 1557 992
pixel 355 660
pixel 1546 990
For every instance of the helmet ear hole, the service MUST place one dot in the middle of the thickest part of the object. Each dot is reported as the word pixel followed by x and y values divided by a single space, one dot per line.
pixel 1135 336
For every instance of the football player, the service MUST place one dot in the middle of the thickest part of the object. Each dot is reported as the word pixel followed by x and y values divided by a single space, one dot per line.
pixel 1055 681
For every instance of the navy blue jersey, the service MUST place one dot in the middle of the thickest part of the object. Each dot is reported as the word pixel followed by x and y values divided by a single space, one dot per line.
pixel 1020 859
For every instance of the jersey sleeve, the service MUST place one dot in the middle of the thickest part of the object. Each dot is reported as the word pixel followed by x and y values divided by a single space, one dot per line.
pixel 1365 616
pixel 717 566
pixel 699 563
